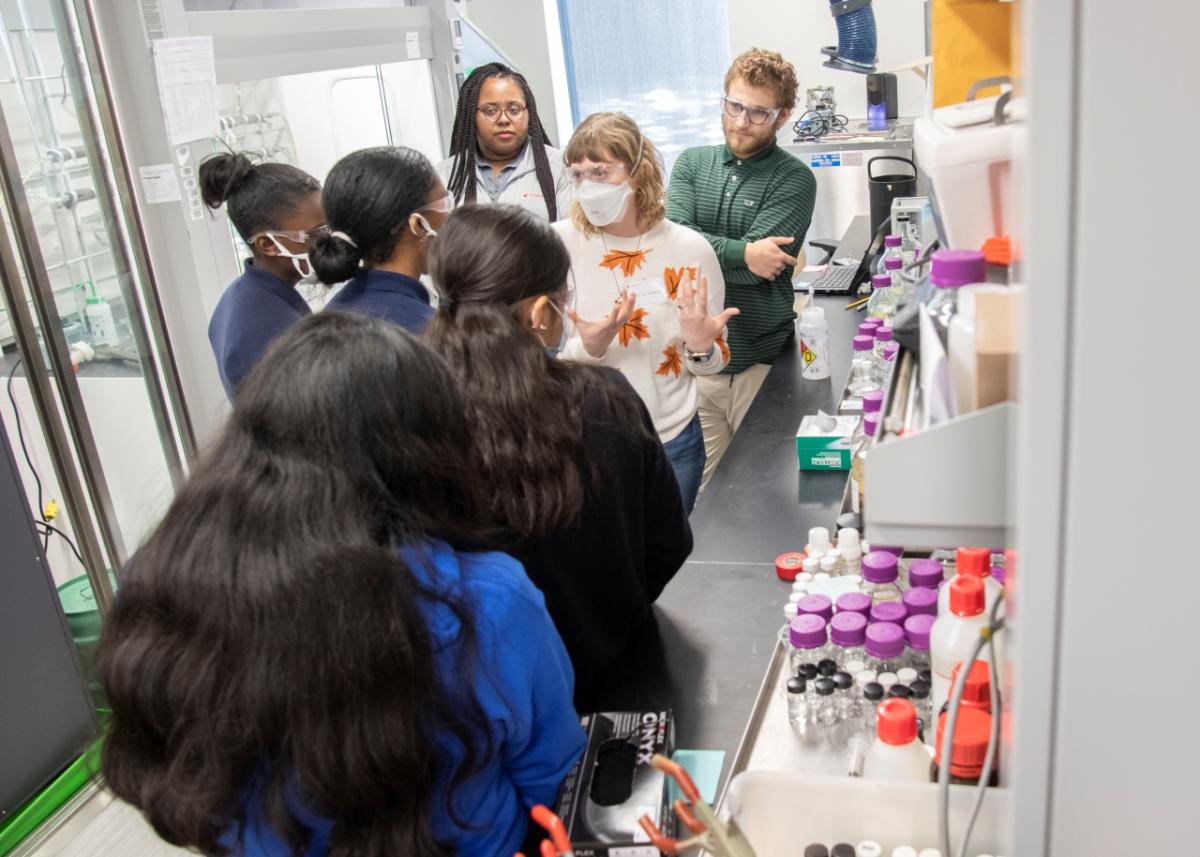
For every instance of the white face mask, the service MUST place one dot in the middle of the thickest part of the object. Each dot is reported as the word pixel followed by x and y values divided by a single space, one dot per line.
pixel 299 261
pixel 603 203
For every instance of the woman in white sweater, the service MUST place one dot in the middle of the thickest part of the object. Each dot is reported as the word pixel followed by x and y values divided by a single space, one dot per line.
pixel 649 293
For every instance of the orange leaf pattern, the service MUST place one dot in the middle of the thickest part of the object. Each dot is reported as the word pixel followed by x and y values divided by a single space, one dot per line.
pixel 672 363
pixel 635 328
pixel 674 276
pixel 724 348
pixel 627 260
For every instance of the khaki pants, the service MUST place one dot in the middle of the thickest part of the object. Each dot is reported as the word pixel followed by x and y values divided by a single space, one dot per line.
pixel 724 400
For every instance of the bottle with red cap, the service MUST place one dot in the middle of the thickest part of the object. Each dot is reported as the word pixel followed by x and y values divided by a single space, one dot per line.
pixel 977 691
pixel 973 562
pixel 955 633
pixel 968 749
pixel 897 754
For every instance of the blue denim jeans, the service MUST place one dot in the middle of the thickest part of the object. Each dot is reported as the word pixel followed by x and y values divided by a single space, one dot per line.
pixel 685 451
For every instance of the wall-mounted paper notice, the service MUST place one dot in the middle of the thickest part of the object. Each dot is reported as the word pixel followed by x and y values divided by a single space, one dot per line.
pixel 187 85
pixel 159 183
pixel 412 42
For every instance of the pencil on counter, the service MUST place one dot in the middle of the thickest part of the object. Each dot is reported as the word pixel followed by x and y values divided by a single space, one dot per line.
pixel 858 303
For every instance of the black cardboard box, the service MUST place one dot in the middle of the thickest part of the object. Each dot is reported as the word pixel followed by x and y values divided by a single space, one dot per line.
pixel 613 785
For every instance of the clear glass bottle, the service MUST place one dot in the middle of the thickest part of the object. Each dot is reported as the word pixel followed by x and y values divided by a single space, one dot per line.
pixel 847 634
pixel 847 699
pixel 902 289
pixel 808 640
pixel 883 335
pixel 797 702
pixel 921 701
pixel 858 474
pixel 856 666
pixel 893 248
pixel 885 647
pixel 949 271
pixel 899 691
pixel 916 637
pixel 887 680
pixel 872 695
pixel 888 365
pixel 826 713
pixel 863 372
pixel 808 672
pixel 881 305
pixel 881 570
pixel 826 667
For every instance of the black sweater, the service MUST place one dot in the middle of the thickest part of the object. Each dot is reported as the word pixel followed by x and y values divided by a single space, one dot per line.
pixel 601 576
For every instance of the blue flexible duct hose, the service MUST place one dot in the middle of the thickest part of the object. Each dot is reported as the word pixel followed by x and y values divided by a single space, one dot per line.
pixel 857 39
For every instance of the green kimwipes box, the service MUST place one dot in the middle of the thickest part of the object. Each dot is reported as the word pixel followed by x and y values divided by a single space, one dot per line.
pixel 823 441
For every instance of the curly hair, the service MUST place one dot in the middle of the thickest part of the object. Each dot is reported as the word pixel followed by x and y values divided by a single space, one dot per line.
pixel 616 137
pixel 769 69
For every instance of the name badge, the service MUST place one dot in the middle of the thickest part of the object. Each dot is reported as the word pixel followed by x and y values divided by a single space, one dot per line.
pixel 650 291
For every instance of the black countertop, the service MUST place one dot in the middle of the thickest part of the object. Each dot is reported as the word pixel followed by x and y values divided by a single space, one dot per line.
pixel 714 630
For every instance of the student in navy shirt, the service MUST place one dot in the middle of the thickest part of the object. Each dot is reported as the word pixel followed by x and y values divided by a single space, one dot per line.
pixel 383 205
pixel 276 208
pixel 311 655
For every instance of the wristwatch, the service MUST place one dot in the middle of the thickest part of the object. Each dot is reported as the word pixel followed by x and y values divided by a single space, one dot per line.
pixel 700 358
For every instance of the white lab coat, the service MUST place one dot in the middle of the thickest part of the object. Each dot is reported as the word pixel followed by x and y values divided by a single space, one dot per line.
pixel 523 188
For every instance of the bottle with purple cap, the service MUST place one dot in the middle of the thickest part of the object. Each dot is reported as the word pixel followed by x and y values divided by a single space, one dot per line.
pixel 893 248
pixel 883 335
pixel 949 271
pixel 808 640
pixel 881 305
pixel 916 637
pixel 847 636
pixel 885 647
pixel 854 602
pixel 858 475
pixel 881 570
pixel 925 574
pixel 863 375
pixel 889 611
pixel 918 600
pixel 817 605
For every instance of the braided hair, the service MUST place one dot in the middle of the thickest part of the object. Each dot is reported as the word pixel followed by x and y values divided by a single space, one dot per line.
pixel 464 145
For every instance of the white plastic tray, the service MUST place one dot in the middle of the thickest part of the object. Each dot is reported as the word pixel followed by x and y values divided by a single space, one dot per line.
pixel 780 813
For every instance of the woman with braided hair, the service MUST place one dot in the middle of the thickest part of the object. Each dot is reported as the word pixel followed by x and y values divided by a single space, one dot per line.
pixel 499 151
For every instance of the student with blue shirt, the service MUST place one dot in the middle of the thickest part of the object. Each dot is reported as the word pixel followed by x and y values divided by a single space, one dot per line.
pixel 383 206
pixel 276 208
pixel 310 655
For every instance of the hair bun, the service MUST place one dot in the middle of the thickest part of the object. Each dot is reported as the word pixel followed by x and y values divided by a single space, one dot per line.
pixel 334 257
pixel 220 176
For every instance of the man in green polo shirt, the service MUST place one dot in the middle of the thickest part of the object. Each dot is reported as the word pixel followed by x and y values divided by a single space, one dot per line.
pixel 753 202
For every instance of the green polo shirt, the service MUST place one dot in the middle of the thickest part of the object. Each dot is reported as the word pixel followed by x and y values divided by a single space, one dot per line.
pixel 732 202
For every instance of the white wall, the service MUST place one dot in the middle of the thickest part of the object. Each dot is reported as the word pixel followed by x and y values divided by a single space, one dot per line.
pixel 798 29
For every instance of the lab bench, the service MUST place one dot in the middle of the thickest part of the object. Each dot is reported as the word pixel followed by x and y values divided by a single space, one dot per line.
pixel 716 626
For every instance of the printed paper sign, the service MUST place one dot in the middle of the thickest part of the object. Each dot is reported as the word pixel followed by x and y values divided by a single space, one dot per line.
pixel 159 184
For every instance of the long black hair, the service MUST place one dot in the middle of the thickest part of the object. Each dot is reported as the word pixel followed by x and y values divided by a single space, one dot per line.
pixel 268 643
pixel 464 145
pixel 259 196
pixel 369 196
pixel 526 408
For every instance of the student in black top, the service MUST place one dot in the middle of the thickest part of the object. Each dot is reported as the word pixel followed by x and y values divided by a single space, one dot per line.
pixel 276 208
pixel 384 207
pixel 578 477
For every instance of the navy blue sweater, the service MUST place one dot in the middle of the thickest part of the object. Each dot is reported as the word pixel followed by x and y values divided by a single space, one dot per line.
pixel 383 294
pixel 255 309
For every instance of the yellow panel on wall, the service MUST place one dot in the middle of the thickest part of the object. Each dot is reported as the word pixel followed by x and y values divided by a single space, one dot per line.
pixel 972 40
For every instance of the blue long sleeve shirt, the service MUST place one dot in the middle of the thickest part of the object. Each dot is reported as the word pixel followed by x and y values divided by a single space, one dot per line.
pixel 524 683
pixel 255 308
pixel 387 295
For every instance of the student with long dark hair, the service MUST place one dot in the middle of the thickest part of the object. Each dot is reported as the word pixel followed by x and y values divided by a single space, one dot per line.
pixel 276 208
pixel 499 150
pixel 577 475
pixel 307 656
pixel 384 205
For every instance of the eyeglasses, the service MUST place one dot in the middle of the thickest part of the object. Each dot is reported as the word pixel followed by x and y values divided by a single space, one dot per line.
pixel 446 203
pixel 491 112
pixel 301 236
pixel 598 173
pixel 754 115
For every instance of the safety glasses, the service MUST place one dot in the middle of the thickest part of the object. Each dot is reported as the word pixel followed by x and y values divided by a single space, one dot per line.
pixel 300 236
pixel 754 115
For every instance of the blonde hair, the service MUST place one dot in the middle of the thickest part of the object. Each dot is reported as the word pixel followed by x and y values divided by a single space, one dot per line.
pixel 616 137
pixel 768 69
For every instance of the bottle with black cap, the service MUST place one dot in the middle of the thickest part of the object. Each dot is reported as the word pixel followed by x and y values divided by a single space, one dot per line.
pixel 808 672
pixel 827 667
pixel 797 702
pixel 842 849
pixel 826 713
pixel 902 691
pixel 921 700
pixel 816 850
pixel 872 695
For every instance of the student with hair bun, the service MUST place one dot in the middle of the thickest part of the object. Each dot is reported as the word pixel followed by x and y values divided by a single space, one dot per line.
pixel 276 208
pixel 383 205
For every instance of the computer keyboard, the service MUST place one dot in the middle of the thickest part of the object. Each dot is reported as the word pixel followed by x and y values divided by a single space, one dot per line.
pixel 837 279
